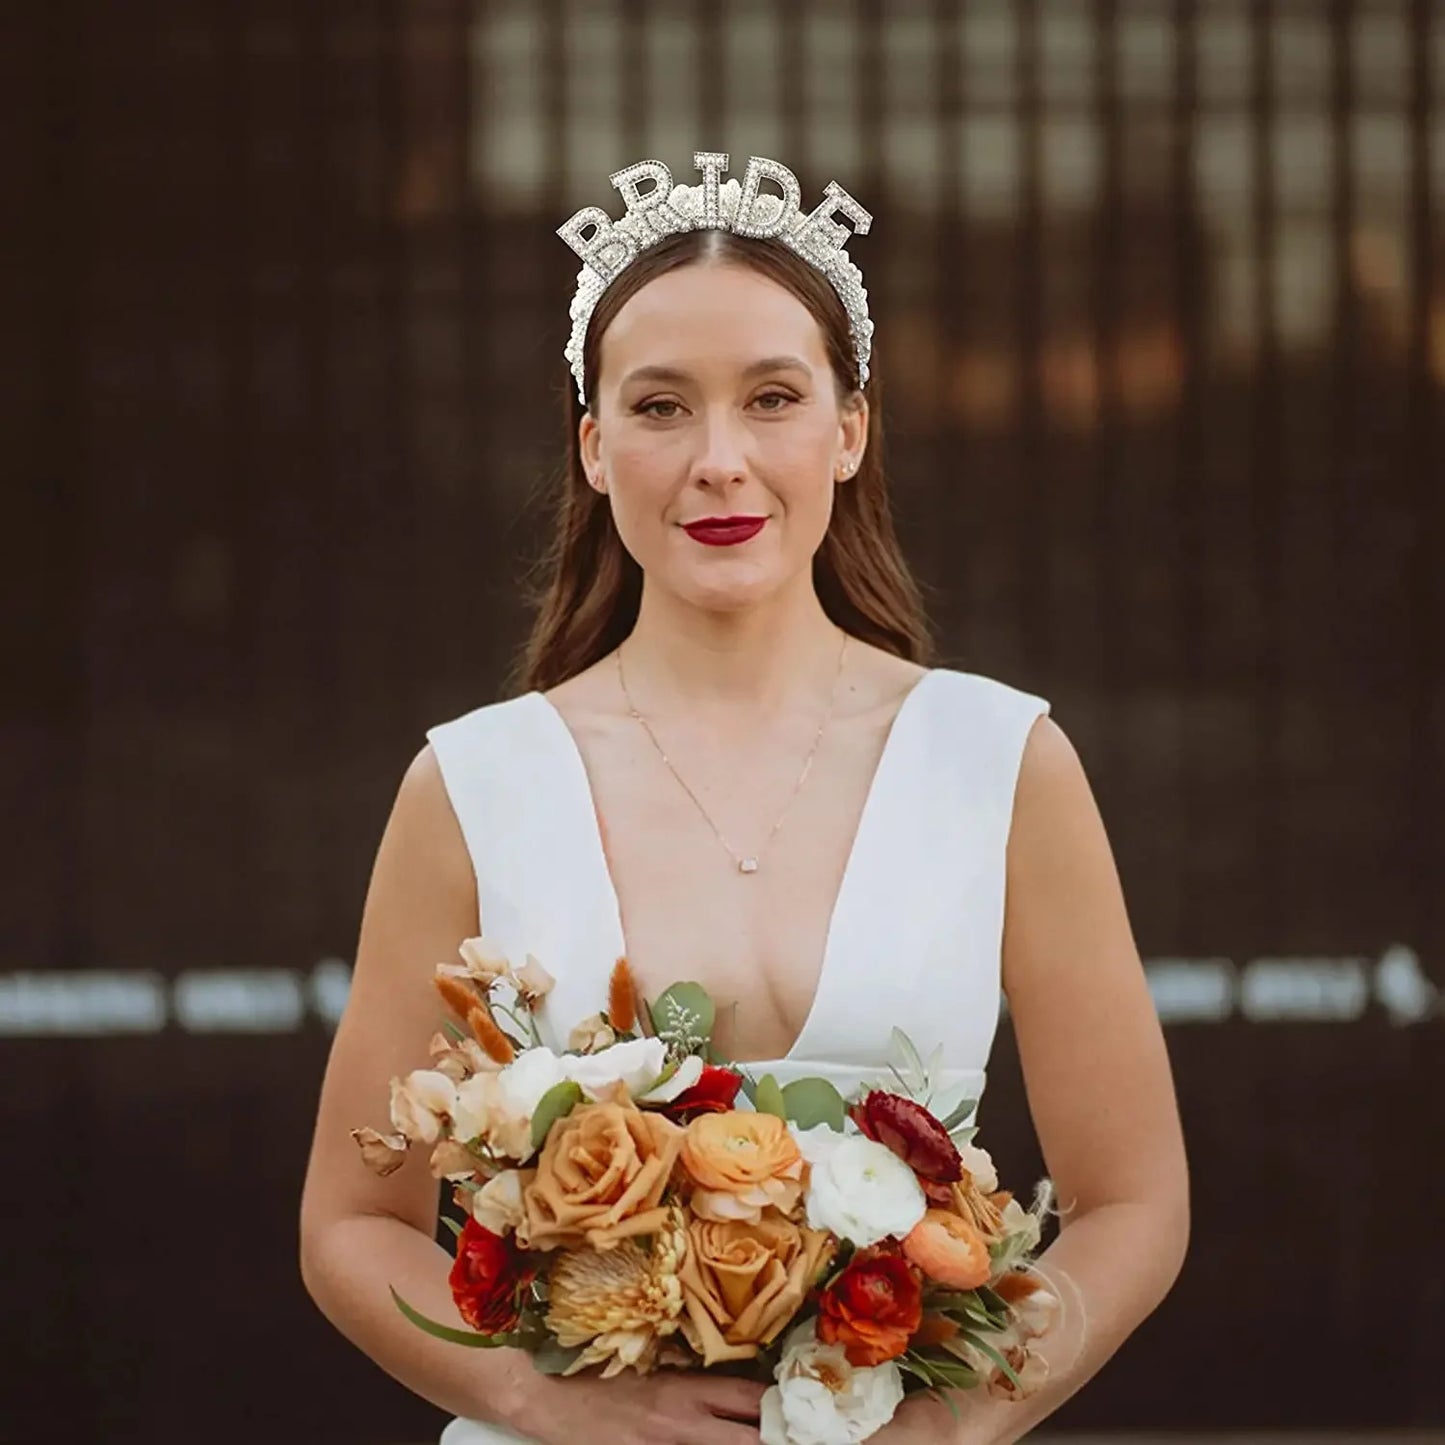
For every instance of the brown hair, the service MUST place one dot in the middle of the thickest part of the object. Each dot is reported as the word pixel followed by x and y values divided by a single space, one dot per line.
pixel 591 587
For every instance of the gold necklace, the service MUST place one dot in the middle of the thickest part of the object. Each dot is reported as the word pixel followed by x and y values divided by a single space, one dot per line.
pixel 746 863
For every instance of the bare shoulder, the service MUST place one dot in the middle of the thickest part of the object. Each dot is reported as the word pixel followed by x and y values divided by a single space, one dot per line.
pixel 421 902
pixel 1094 1060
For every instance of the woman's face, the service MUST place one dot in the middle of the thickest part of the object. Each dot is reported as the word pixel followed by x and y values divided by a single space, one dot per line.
pixel 716 402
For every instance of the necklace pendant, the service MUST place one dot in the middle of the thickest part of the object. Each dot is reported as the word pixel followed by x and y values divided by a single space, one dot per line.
pixel 747 865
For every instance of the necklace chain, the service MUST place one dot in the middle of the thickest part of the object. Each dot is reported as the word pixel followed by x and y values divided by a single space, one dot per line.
pixel 746 863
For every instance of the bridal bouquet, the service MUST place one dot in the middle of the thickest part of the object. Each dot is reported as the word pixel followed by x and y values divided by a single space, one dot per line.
pixel 620 1211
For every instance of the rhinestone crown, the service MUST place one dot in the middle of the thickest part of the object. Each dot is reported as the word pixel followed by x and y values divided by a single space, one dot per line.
pixel 745 209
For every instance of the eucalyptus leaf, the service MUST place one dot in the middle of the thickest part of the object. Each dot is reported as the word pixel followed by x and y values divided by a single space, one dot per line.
pixel 769 1098
pixel 959 1114
pixel 912 1061
pixel 556 1103
pixel 451 1224
pixel 469 1338
pixel 684 1015
pixel 809 1102
pixel 749 1087
pixel 963 1136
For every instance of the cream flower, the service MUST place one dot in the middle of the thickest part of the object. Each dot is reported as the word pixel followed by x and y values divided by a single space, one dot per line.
pixel 497 1205
pixel 592 1035
pixel 532 982
pixel 421 1103
pixel 383 1154
pixel 484 1110
pixel 820 1399
pixel 980 1165
pixel 858 1189
pixel 620 1303
pixel 484 961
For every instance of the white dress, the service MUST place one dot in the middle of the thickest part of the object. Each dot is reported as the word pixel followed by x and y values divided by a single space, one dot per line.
pixel 922 895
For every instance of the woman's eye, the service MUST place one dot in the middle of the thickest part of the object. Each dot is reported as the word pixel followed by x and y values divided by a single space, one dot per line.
pixel 779 396
pixel 647 408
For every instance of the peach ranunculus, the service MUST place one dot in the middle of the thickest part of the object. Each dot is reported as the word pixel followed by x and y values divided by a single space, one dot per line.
pixel 949 1250
pixel 743 1282
pixel 601 1177
pixel 742 1164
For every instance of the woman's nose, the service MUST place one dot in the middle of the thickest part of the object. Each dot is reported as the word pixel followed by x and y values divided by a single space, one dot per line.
pixel 722 457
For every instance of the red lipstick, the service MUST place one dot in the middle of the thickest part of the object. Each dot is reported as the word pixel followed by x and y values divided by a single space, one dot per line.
pixel 724 531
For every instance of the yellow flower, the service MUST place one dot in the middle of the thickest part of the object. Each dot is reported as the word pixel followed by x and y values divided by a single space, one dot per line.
pixel 620 1303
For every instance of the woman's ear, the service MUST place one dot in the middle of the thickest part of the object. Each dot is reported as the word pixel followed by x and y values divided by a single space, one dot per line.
pixel 852 435
pixel 589 450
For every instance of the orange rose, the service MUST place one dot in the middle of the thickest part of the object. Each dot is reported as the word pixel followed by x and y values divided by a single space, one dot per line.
pixel 742 1283
pixel 872 1308
pixel 949 1250
pixel 742 1164
pixel 600 1178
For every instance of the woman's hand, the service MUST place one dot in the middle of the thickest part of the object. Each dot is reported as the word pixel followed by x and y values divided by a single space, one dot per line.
pixel 666 1408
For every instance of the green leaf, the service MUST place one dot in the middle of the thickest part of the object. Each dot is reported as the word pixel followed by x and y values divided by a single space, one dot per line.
pixel 556 1103
pixel 912 1061
pixel 997 1358
pixel 453 1336
pixel 959 1114
pixel 963 1136
pixel 769 1098
pixel 808 1102
pixel 457 1033
pixel 684 1015
pixel 995 1304
pixel 749 1087
pixel 553 1359
pixel 451 1224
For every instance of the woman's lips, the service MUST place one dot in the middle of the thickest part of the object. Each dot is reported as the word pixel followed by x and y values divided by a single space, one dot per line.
pixel 724 531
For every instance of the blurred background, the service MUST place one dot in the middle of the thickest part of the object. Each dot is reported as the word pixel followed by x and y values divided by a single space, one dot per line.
pixel 1160 294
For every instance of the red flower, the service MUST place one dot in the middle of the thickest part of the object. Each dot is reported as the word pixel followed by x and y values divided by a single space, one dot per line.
pixel 912 1133
pixel 488 1279
pixel 713 1093
pixel 872 1308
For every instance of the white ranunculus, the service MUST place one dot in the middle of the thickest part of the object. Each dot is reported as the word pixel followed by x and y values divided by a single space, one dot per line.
pixel 419 1104
pixel 980 1165
pixel 820 1399
pixel 529 1076
pixel 860 1190
pixel 636 1063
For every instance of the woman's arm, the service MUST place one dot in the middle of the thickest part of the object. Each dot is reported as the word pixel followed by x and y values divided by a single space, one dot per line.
pixel 361 1234
pixel 1099 1090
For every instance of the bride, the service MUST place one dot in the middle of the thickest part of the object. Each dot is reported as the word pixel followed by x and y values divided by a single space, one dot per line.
pixel 730 762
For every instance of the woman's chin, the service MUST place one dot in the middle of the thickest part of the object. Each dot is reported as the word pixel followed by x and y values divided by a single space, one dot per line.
pixel 728 589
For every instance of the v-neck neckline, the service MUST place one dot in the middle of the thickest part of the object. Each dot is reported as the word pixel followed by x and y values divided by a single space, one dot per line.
pixel 603 868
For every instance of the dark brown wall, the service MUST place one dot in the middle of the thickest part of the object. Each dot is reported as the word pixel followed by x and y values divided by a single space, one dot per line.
pixel 1162 322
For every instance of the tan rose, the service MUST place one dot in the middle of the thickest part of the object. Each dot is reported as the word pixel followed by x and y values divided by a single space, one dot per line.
pixel 601 1177
pixel 742 1283
pixel 742 1164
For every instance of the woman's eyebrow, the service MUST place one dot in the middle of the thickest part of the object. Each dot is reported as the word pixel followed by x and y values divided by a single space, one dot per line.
pixel 756 368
